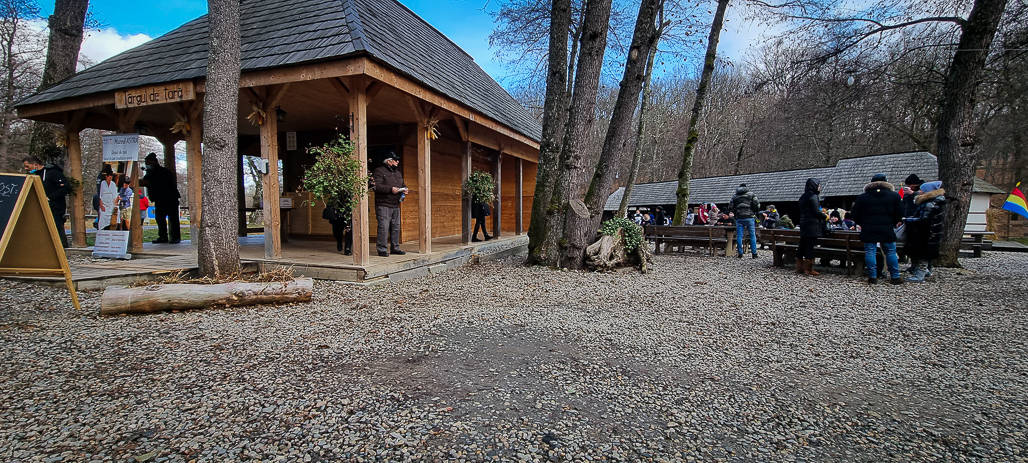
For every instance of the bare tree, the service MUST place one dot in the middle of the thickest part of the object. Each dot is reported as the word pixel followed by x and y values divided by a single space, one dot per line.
pixel 583 217
pixel 66 30
pixel 685 173
pixel 20 70
pixel 218 247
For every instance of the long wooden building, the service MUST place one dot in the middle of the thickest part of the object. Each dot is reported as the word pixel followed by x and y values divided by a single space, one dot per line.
pixel 370 68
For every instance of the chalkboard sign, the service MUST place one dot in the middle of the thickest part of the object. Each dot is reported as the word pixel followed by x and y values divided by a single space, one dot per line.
pixel 10 190
pixel 27 224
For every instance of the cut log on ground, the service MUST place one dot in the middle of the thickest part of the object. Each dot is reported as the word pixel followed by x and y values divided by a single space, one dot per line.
pixel 145 299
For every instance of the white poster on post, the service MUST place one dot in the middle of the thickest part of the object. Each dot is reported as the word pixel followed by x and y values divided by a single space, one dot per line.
pixel 121 147
pixel 112 244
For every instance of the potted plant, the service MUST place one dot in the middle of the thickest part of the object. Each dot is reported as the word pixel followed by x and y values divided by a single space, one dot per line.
pixel 336 178
pixel 480 187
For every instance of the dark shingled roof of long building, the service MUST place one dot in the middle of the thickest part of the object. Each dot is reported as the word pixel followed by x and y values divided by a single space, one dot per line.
pixel 846 178
pixel 279 33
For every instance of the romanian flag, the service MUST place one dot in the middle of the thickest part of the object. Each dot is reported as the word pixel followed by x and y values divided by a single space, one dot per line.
pixel 1016 202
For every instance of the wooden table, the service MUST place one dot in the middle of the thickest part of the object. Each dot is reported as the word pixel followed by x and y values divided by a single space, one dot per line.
pixel 977 241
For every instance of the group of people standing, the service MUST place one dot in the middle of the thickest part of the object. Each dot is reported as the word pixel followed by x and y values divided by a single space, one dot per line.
pixel 880 213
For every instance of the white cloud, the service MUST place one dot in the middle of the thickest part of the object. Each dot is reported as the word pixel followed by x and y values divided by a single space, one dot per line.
pixel 105 43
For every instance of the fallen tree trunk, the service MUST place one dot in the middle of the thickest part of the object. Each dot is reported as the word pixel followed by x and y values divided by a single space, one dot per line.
pixel 145 299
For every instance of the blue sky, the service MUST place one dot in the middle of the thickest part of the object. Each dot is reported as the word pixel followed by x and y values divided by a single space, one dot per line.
pixel 125 24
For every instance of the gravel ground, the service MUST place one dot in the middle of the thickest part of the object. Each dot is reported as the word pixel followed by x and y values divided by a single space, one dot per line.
pixel 707 358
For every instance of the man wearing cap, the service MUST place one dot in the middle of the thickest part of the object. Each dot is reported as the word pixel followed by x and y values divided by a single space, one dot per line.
pixel 389 191
pixel 163 192
pixel 910 188
pixel 877 211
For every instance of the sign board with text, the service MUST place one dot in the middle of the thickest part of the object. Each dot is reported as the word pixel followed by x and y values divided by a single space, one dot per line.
pixel 112 244
pixel 155 94
pixel 29 240
pixel 123 147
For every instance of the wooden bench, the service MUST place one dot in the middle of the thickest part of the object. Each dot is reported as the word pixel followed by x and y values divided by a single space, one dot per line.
pixel 976 242
pixel 696 236
pixel 844 246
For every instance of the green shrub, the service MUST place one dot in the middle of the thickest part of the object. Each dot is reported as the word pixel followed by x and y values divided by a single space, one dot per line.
pixel 336 176
pixel 632 232
pixel 480 187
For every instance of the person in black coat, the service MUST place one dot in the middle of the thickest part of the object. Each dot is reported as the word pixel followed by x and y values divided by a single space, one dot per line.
pixel 479 211
pixel 877 211
pixel 812 225
pixel 925 228
pixel 339 216
pixel 163 192
pixel 55 185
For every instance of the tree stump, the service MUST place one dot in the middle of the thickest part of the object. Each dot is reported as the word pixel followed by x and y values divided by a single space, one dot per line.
pixel 146 299
pixel 609 253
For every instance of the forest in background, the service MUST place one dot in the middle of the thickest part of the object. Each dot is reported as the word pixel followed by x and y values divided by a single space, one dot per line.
pixel 790 102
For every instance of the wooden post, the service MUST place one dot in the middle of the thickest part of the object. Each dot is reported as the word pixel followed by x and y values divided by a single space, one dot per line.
pixel 194 164
pixel 424 189
pixel 126 124
pixel 519 226
pixel 358 105
pixel 241 194
pixel 497 204
pixel 272 221
pixel 465 173
pixel 78 210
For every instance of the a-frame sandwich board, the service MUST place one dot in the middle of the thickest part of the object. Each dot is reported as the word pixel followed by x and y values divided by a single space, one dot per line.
pixel 29 244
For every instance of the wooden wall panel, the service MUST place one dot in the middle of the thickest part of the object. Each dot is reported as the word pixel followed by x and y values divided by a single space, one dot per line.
pixel 508 171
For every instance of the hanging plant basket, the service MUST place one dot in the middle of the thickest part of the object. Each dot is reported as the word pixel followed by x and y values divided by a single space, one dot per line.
pixel 336 178
pixel 480 187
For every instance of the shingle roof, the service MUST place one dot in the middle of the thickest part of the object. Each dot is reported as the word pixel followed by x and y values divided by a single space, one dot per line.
pixel 278 33
pixel 847 178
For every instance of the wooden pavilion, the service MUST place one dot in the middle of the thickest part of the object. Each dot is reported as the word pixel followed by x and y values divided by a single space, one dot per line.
pixel 370 68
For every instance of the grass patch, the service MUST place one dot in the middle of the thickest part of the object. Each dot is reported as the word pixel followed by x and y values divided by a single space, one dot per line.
pixel 1023 241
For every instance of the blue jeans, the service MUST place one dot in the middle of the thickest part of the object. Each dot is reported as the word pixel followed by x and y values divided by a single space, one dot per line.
pixel 740 226
pixel 871 259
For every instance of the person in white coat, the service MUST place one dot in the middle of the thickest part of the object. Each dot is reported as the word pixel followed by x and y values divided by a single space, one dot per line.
pixel 108 200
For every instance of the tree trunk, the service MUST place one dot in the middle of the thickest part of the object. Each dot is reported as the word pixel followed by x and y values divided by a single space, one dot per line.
pixel 218 245
pixel 581 117
pixel 955 130
pixel 555 114
pixel 580 230
pixel 62 55
pixel 685 173
pixel 121 299
pixel 633 173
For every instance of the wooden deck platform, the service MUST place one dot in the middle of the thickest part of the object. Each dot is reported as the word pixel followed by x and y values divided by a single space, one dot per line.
pixel 311 258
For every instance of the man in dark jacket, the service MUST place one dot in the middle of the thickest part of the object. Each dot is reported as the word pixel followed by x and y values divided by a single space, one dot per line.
pixel 745 206
pixel 55 185
pixel 877 211
pixel 163 192
pixel 389 191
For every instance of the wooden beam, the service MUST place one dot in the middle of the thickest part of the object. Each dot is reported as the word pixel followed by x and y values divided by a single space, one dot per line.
pixel 78 209
pixel 358 106
pixel 194 165
pixel 374 89
pixel 274 96
pixel 424 190
pixel 462 128
pixel 127 124
pixel 419 112
pixel 498 203
pixel 33 111
pixel 519 224
pixel 241 196
pixel 272 219
pixel 405 85
pixel 303 73
pixel 465 203
pixel 340 87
